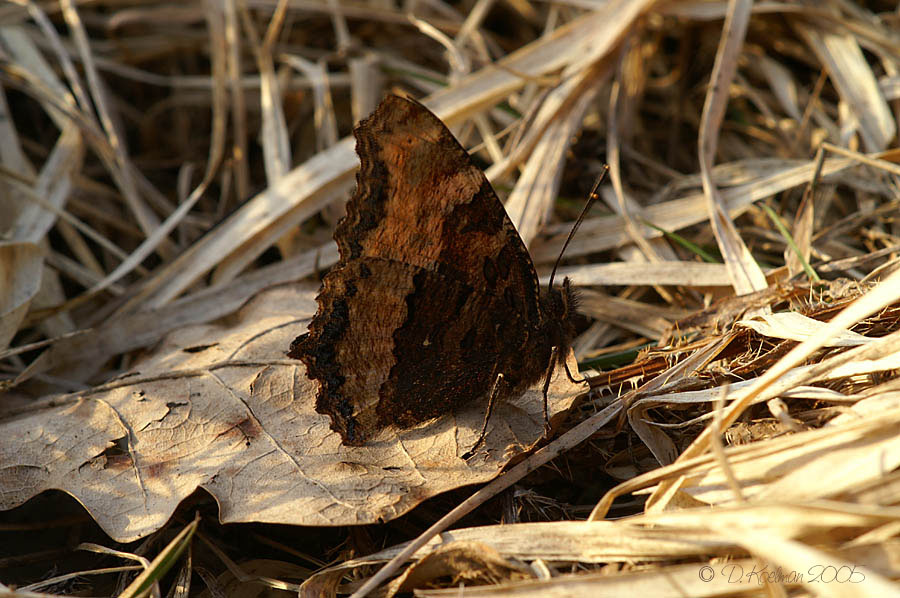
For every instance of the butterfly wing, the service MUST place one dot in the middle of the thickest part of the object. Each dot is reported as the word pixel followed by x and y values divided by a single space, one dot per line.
pixel 435 293
pixel 421 201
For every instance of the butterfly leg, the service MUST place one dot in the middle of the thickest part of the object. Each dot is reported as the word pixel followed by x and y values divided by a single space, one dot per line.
pixel 554 352
pixel 495 391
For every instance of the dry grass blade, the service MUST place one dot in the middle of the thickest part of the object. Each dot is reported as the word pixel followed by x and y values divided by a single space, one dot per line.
pixel 121 169
pixel 538 184
pixel 848 68
pixel 161 563
pixel 604 233
pixel 274 135
pixel 742 268
pixel 692 274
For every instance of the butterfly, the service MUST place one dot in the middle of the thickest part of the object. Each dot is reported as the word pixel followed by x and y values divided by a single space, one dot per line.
pixel 435 301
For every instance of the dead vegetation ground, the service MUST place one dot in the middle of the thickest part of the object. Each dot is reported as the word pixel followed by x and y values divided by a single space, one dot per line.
pixel 166 165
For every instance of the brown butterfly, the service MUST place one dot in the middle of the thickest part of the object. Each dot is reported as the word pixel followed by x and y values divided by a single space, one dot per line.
pixel 435 301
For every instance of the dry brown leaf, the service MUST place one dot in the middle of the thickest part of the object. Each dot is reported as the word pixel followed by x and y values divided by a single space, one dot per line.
pixel 79 356
pixel 219 407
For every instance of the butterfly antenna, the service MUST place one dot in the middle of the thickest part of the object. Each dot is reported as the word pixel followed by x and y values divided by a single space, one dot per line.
pixel 587 206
